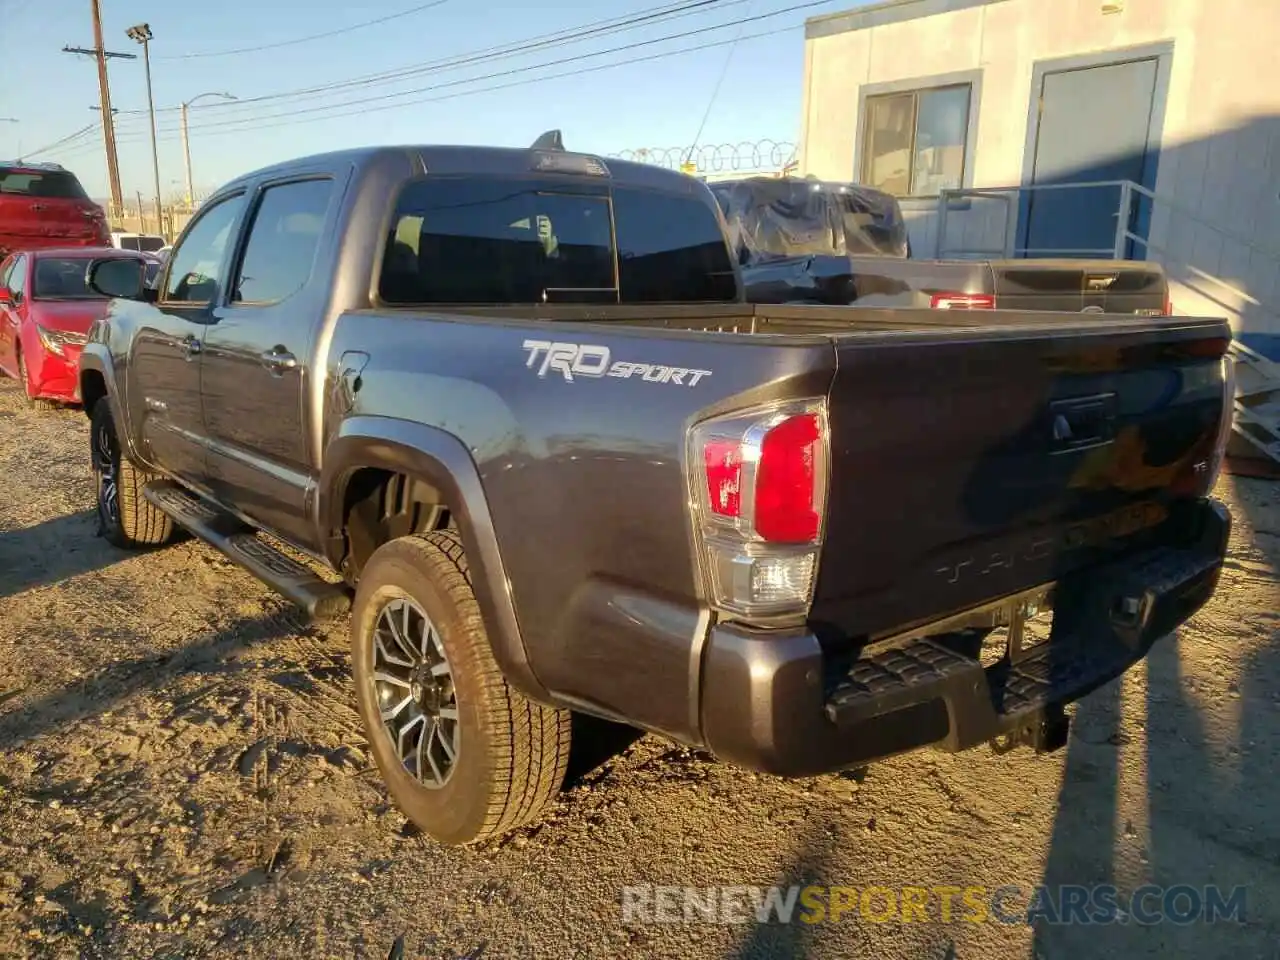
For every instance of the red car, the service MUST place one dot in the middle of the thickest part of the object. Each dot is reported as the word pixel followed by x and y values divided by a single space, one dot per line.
pixel 45 312
pixel 44 205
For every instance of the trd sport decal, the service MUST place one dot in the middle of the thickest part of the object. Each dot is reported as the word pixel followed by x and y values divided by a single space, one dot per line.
pixel 574 360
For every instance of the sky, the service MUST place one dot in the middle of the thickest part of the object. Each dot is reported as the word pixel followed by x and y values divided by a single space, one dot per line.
pixel 483 73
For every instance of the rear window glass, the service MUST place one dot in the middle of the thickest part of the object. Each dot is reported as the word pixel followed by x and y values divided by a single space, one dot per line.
pixel 62 278
pixel 40 183
pixel 145 244
pixel 474 241
pixel 670 249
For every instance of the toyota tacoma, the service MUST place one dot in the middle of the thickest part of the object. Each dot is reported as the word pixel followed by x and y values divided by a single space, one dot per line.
pixel 509 411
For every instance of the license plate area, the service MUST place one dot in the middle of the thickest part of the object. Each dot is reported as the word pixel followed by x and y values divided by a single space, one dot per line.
pixel 1027 623
pixel 1005 630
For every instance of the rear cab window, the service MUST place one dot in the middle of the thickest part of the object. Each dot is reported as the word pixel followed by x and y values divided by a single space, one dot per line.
pixel 479 241
pixel 48 184
pixel 671 249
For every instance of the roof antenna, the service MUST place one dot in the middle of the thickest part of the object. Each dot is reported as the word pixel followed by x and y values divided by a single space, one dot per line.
pixel 551 140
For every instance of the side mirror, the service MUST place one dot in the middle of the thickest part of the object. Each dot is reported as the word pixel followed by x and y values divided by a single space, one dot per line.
pixel 119 277
pixel 6 297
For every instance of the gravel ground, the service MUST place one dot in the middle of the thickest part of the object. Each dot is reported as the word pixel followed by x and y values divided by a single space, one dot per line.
pixel 181 775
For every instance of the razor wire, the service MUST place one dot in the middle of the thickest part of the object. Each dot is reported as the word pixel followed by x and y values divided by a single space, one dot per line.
pixel 747 156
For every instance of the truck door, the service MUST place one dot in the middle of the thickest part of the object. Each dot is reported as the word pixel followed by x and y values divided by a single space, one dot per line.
pixel 163 376
pixel 254 374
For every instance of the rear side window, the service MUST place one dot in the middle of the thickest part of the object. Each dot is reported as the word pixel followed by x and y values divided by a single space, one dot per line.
pixel 52 184
pixel 670 249
pixel 283 240
pixel 473 241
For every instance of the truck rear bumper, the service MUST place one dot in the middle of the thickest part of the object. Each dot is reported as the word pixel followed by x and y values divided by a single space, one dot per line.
pixel 780 705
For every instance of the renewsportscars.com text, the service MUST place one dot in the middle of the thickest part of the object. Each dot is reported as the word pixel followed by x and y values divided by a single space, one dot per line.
pixel 1009 904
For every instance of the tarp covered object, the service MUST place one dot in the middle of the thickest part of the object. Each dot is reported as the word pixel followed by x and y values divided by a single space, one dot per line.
pixel 770 217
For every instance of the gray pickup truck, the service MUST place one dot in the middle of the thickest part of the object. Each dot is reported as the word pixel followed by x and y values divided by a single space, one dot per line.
pixel 509 410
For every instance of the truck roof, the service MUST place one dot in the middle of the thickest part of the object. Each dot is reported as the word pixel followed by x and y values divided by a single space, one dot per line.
pixel 444 159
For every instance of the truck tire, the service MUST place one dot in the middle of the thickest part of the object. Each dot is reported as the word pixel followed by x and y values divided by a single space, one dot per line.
pixel 464 756
pixel 125 517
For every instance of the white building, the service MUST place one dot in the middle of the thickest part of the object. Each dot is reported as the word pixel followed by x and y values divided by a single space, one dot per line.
pixel 1181 97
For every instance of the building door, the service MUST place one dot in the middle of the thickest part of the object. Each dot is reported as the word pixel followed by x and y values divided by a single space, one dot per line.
pixel 1094 124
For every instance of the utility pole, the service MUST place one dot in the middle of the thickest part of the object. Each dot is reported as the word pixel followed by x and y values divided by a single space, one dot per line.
pixel 186 141
pixel 142 34
pixel 101 54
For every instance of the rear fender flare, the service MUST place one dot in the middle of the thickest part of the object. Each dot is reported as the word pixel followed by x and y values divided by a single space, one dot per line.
pixel 442 460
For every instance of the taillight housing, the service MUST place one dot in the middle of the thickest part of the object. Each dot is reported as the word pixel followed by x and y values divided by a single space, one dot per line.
pixel 1224 422
pixel 962 301
pixel 758 482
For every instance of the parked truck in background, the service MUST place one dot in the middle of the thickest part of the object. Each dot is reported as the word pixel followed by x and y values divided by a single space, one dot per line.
pixel 513 409
pixel 802 240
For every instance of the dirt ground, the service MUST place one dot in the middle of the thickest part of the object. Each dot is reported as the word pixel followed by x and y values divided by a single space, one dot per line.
pixel 182 775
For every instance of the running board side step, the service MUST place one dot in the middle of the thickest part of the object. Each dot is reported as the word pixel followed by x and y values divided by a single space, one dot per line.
pixel 321 599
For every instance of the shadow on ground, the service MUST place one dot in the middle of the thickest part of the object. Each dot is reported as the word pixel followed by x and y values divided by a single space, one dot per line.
pixel 74 702
pixel 1209 797
pixel 52 551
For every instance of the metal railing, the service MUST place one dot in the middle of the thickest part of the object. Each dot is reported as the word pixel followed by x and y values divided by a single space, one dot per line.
pixel 1010 196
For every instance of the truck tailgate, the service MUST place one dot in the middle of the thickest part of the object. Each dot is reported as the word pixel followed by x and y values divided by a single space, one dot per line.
pixel 974 464
pixel 1094 286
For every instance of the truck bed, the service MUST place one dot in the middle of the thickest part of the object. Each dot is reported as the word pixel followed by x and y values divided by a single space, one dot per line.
pixel 948 450
pixel 812 320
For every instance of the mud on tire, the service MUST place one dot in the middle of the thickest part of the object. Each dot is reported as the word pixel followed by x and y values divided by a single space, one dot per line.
pixel 125 517
pixel 508 756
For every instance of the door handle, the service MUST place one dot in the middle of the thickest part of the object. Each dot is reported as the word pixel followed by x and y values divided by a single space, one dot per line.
pixel 278 360
pixel 192 346
pixel 37 207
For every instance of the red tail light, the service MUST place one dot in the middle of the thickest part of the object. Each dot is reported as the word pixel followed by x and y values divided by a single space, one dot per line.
pixel 785 490
pixel 1168 308
pixel 722 460
pixel 963 301
pixel 760 496
pixel 787 486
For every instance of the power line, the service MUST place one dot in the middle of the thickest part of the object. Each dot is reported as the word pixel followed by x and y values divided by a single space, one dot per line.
pixel 239 124
pixel 307 39
pixel 516 48
pixel 519 83
pixel 715 91
pixel 289 117
pixel 620 23
pixel 65 140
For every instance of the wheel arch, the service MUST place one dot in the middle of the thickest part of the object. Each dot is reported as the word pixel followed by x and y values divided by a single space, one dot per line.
pixel 436 470
pixel 97 383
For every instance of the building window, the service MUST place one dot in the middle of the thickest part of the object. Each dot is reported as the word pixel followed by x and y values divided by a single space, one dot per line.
pixel 914 142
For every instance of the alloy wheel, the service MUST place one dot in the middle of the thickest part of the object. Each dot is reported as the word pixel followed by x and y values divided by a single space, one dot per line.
pixel 105 457
pixel 413 684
